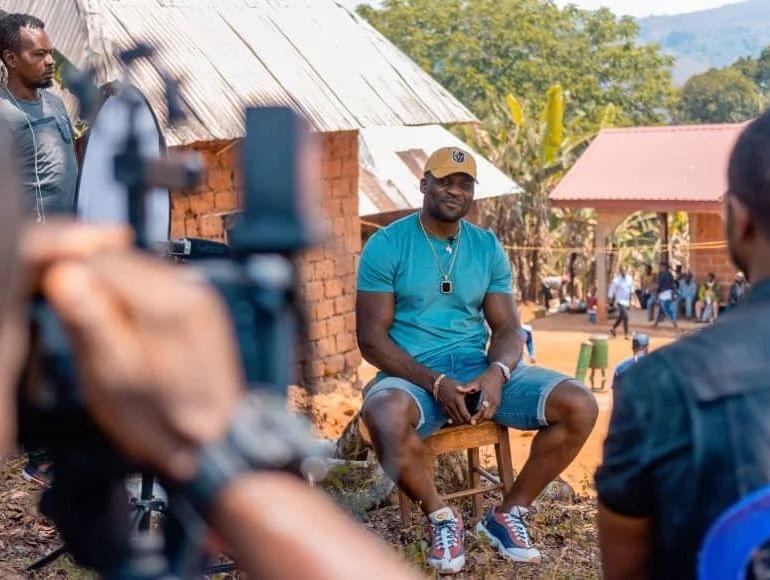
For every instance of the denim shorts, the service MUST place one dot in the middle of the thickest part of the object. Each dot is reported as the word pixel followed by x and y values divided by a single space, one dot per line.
pixel 522 405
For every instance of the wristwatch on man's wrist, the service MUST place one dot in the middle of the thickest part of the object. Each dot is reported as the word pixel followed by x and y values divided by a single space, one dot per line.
pixel 503 369
pixel 262 436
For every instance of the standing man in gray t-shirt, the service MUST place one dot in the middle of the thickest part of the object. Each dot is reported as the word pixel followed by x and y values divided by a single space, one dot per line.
pixel 42 131
pixel 42 137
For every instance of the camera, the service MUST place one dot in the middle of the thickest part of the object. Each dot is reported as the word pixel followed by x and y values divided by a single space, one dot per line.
pixel 255 276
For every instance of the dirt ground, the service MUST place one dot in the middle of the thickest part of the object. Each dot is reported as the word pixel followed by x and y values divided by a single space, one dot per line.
pixel 563 528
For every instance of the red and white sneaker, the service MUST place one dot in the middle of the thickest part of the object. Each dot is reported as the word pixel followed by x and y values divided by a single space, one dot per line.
pixel 447 536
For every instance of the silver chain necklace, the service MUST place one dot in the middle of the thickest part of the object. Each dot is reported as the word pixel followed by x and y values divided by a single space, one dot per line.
pixel 445 285
pixel 39 203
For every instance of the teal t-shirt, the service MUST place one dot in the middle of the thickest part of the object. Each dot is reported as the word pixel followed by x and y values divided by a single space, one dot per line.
pixel 426 323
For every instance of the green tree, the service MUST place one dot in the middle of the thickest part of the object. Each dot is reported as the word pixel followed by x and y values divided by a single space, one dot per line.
pixel 484 49
pixel 720 96
pixel 534 147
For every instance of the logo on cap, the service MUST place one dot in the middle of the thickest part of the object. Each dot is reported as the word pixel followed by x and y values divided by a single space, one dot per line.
pixel 458 156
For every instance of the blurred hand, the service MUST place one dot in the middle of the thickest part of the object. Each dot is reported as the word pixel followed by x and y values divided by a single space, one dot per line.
pixel 38 247
pixel 156 351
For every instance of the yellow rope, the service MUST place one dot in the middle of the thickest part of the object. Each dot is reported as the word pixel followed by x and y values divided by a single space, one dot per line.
pixel 692 247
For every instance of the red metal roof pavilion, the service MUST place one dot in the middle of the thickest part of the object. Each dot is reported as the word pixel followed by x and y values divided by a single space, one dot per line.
pixel 675 168
pixel 651 169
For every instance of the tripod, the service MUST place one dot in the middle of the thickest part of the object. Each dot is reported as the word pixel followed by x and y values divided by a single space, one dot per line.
pixel 143 507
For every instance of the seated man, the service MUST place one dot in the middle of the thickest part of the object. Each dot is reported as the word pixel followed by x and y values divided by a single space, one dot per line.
pixel 688 292
pixel 689 430
pixel 640 345
pixel 738 290
pixel 426 284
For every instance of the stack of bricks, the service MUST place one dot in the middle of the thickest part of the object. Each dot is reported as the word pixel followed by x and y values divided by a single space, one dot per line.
pixel 327 274
pixel 707 227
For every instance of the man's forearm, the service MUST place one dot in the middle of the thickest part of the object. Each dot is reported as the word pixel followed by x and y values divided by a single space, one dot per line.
pixel 506 346
pixel 280 528
pixel 387 356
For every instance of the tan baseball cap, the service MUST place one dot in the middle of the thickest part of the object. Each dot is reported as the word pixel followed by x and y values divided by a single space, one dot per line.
pixel 449 160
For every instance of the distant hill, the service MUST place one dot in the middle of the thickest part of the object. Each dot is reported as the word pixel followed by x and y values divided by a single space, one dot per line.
pixel 710 38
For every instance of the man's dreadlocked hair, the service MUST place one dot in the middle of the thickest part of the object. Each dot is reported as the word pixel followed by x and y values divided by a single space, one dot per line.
pixel 10 25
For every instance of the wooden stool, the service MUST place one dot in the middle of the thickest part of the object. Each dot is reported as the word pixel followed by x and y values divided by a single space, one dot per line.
pixel 471 438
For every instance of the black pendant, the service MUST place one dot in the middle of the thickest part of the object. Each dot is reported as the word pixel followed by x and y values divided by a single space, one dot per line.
pixel 446 286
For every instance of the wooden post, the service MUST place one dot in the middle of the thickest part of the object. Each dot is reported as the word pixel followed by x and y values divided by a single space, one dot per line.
pixel 664 255
pixel 606 223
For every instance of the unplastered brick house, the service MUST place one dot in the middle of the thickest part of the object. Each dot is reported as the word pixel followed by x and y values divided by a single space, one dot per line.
pixel 315 56
pixel 327 274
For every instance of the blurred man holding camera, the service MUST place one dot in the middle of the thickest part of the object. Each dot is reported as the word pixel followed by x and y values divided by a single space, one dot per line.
pixel 161 377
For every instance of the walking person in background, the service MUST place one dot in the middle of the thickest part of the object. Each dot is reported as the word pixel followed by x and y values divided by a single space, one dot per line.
pixel 666 288
pixel 621 290
pixel 646 287
pixel 738 290
pixel 688 292
pixel 708 296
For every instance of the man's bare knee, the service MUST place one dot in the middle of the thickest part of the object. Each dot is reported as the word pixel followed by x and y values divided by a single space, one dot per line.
pixel 390 411
pixel 572 404
pixel 391 417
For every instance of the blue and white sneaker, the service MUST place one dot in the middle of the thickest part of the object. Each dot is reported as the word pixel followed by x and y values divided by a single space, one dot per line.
pixel 507 532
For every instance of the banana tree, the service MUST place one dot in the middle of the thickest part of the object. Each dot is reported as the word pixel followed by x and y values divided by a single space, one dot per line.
pixel 535 152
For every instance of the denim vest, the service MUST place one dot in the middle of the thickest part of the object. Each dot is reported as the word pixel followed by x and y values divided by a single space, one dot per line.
pixel 724 376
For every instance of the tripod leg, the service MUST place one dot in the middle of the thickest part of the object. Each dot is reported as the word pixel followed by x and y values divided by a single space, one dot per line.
pixel 47 559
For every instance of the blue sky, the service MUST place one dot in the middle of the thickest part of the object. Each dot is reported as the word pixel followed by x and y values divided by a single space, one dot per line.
pixel 632 7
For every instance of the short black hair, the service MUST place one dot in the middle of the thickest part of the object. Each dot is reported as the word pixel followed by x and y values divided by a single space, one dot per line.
pixel 10 25
pixel 748 174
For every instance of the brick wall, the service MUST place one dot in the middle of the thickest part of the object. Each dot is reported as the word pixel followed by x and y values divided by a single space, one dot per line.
pixel 327 274
pixel 707 227
pixel 202 212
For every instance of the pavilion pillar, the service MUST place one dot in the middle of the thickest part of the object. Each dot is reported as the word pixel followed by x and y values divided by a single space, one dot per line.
pixel 664 253
pixel 606 223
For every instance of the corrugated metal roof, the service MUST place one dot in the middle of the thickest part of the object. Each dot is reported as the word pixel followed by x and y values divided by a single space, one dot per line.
pixel 642 166
pixel 392 160
pixel 313 55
